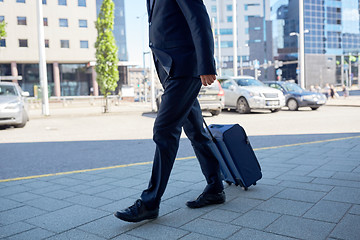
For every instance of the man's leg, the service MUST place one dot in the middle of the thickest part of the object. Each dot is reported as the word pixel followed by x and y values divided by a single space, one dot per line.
pixel 177 101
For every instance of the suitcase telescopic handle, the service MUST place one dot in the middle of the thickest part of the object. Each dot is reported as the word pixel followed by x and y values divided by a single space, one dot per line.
pixel 212 137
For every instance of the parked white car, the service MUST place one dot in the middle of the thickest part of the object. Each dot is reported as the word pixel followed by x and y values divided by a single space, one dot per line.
pixel 245 93
pixel 13 106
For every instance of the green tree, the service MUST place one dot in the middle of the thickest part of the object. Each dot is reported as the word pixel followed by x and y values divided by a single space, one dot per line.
pixel 106 51
pixel 2 29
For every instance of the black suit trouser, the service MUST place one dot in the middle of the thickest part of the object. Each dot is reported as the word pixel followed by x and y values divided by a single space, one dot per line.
pixel 179 108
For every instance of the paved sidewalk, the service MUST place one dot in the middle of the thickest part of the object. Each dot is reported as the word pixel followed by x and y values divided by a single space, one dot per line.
pixel 308 191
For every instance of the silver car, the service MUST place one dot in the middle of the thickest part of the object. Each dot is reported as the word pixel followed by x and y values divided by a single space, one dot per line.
pixel 245 93
pixel 13 106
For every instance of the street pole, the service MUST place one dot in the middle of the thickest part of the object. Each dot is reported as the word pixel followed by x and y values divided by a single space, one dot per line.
pixel 301 44
pixel 235 39
pixel 350 73
pixel 358 69
pixel 42 60
pixel 218 36
pixel 342 70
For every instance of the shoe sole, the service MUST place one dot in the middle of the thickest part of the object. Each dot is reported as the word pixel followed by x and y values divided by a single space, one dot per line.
pixel 135 220
pixel 207 204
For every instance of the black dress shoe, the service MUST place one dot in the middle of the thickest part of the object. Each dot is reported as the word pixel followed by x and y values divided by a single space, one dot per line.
pixel 137 213
pixel 206 199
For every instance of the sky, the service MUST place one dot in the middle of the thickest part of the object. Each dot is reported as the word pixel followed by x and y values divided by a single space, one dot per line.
pixel 136 31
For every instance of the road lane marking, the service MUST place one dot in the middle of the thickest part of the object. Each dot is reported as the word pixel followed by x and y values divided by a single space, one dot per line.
pixel 177 159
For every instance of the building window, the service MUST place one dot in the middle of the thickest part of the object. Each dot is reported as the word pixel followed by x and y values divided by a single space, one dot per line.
pixel 45 20
pixel 1 0
pixel 229 18
pixel 64 44
pixel 2 42
pixel 84 44
pixel 47 43
pixel 213 9
pixel 2 18
pixel 63 22
pixel 21 20
pixel 83 23
pixel 228 7
pixel 226 44
pixel 246 6
pixel 23 43
pixel 62 2
pixel 82 3
pixel 20 1
pixel 44 2
pixel 224 31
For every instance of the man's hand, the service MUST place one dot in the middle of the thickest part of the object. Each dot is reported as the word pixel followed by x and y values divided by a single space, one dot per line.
pixel 207 79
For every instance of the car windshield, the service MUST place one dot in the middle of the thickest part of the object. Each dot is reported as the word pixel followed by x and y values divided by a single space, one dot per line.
pixel 248 82
pixel 292 87
pixel 6 90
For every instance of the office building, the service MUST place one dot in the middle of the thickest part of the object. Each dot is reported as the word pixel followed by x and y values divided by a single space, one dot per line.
pixel 332 39
pixel 253 28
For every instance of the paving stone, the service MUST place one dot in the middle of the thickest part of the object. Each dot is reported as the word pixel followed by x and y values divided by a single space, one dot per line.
pixel 337 167
pixel 348 228
pixel 6 191
pixel 300 228
pixel 291 177
pixel 306 186
pixel 89 201
pixel 355 210
pixel 301 195
pixel 102 181
pixel 67 218
pixel 251 234
pixel 196 236
pixel 336 182
pixel 108 227
pixel 75 235
pixel 283 206
pixel 256 219
pixel 344 194
pixel 118 193
pixel 15 228
pixel 78 188
pixel 23 197
pixel 60 194
pixel 97 189
pixel 179 217
pixel 85 176
pixel 221 215
pixel 48 204
pixel 52 188
pixel 6 204
pixel 240 205
pixel 328 211
pixel 19 214
pixel 211 228
pixel 36 233
pixel 130 182
pixel 347 176
pixel 126 237
pixel 321 173
pixel 157 232
pixel 65 180
pixel 38 184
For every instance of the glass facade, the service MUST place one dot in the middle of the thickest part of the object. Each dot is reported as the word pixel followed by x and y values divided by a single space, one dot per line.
pixel 75 79
pixel 119 27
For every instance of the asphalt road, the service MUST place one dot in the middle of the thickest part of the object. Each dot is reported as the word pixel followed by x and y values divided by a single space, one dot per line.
pixel 78 139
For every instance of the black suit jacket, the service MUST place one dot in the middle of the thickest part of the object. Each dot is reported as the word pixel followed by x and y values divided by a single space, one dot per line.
pixel 180 37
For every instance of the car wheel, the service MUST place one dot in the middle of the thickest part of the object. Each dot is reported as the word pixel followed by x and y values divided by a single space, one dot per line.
pixel 215 112
pixel 275 110
pixel 314 108
pixel 23 121
pixel 292 105
pixel 242 106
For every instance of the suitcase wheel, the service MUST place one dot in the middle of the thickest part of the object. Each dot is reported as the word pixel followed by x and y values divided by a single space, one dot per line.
pixel 245 188
pixel 254 184
pixel 228 182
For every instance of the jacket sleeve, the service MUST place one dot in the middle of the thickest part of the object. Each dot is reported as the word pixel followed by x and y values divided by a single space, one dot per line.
pixel 199 23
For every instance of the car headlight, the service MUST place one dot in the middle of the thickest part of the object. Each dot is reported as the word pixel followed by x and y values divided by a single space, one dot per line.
pixel 13 105
pixel 255 94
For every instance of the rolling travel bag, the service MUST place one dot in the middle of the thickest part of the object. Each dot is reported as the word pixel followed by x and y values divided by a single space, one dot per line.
pixel 238 162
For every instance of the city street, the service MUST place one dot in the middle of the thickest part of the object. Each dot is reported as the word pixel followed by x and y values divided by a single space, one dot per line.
pixel 80 137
